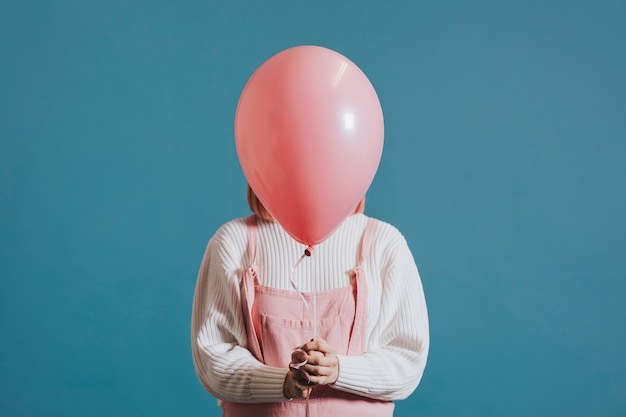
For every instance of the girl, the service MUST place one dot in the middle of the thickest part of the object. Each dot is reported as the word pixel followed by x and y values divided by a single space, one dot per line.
pixel 341 332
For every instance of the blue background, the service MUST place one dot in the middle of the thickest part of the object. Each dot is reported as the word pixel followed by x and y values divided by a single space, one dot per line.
pixel 504 166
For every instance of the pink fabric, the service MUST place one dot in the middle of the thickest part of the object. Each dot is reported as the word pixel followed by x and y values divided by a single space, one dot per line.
pixel 277 322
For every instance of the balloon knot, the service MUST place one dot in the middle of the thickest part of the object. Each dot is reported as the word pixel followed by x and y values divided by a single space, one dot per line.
pixel 308 251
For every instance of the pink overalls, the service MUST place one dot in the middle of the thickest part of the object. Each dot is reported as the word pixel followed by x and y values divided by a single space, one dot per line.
pixel 276 325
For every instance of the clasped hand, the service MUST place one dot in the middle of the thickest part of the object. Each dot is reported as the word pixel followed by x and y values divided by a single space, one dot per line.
pixel 314 363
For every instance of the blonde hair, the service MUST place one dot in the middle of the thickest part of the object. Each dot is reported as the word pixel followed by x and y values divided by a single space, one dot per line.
pixel 259 209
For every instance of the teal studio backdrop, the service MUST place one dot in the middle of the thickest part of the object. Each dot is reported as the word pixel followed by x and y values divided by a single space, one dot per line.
pixel 504 166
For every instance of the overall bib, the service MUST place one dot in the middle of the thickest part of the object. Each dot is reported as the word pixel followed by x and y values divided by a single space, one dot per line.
pixel 275 328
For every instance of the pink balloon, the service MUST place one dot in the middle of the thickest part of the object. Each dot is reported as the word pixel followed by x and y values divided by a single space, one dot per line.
pixel 309 134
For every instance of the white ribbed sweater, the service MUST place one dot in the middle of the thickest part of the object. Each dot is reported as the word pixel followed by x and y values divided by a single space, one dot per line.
pixel 397 323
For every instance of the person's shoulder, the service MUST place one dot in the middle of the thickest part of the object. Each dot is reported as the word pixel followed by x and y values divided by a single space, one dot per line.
pixel 237 224
pixel 386 231
pixel 391 245
pixel 233 232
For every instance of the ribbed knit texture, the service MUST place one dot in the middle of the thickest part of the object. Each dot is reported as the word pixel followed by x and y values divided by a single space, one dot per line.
pixel 397 326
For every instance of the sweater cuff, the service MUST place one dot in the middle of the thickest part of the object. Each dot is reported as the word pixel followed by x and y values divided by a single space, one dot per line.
pixel 266 384
pixel 353 374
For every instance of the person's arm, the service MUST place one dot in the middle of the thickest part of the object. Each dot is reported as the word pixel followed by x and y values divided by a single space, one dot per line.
pixel 392 368
pixel 226 369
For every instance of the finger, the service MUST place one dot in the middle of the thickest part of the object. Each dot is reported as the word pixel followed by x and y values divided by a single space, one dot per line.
pixel 298 356
pixel 317 358
pixel 311 345
pixel 314 371
pixel 321 380
pixel 313 356
pixel 317 370
pixel 322 366
pixel 319 345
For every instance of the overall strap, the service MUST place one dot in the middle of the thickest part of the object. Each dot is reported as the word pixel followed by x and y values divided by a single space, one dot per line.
pixel 368 239
pixel 359 326
pixel 252 239
pixel 248 282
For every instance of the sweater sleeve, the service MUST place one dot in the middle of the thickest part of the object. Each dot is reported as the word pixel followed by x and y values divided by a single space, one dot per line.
pixel 398 347
pixel 226 369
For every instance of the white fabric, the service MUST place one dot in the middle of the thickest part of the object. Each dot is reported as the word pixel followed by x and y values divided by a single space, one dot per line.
pixel 397 325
